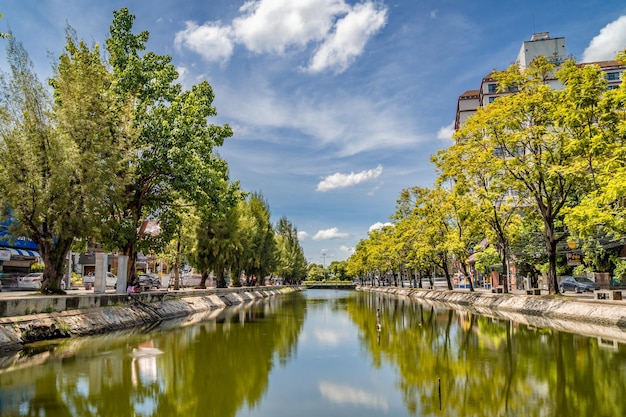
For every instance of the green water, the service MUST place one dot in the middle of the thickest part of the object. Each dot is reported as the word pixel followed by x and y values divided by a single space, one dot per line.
pixel 321 353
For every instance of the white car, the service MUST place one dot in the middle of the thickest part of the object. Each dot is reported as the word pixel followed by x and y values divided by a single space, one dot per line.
pixel 30 281
pixel 89 280
pixel 33 281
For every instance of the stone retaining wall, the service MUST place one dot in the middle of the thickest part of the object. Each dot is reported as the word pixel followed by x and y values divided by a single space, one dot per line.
pixel 545 311
pixel 100 313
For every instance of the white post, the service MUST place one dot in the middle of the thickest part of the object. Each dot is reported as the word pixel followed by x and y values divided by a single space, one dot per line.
pixel 122 272
pixel 100 282
pixel 68 278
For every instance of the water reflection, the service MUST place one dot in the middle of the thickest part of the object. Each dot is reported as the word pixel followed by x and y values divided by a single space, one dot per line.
pixel 209 369
pixel 343 394
pixel 320 353
pixel 490 367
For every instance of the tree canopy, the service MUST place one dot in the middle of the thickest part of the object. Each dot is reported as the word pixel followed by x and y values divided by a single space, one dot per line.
pixel 537 153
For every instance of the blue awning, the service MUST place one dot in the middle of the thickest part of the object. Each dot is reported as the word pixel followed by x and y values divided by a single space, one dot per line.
pixel 22 252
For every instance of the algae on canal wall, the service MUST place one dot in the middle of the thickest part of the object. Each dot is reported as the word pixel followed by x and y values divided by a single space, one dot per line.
pixel 95 314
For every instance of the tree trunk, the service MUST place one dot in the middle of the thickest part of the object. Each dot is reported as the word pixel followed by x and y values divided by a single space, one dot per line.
pixel 130 251
pixel 220 281
pixel 551 250
pixel 444 266
pixel 53 257
pixel 505 267
pixel 203 278
pixel 468 276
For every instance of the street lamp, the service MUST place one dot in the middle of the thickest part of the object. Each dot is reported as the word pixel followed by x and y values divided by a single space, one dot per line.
pixel 324 265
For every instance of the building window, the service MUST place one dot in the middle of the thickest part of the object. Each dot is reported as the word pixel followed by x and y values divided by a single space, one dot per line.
pixel 492 99
pixel 612 76
pixel 492 88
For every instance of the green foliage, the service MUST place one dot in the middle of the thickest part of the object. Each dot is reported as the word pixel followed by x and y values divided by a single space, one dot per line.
pixel 291 261
pixel 527 172
pixel 619 273
pixel 37 267
pixel 486 258
pixel 259 253
pixel 218 243
pixel 60 154
pixel 315 272
pixel 172 150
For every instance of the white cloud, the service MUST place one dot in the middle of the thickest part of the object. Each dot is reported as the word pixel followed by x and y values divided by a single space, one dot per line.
pixel 345 394
pixel 446 132
pixel 339 180
pixel 211 40
pixel 350 125
pixel 275 26
pixel 302 235
pixel 351 34
pixel 379 225
pixel 606 45
pixel 328 337
pixel 346 250
pixel 332 233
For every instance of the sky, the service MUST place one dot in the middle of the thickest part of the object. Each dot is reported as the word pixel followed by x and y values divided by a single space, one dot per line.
pixel 336 105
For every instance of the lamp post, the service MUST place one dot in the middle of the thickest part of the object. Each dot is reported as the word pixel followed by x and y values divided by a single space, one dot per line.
pixel 324 264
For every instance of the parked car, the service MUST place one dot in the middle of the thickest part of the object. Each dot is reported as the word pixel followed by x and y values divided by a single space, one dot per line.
pixel 30 281
pixel 90 279
pixel 577 284
pixel 149 281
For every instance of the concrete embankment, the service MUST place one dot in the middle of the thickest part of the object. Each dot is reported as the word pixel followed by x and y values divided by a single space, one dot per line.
pixel 600 318
pixel 35 318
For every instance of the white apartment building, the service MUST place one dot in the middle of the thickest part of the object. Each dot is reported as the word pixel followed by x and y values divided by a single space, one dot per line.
pixel 540 44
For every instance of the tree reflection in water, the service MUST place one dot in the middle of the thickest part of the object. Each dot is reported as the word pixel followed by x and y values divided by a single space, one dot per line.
pixel 321 352
pixel 490 367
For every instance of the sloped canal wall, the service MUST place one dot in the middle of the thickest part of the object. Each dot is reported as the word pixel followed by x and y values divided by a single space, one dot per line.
pixel 35 318
pixel 601 318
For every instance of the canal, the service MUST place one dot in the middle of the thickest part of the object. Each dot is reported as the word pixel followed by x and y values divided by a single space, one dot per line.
pixel 321 353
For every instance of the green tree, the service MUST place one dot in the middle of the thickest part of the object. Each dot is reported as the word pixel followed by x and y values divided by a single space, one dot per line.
pixel 172 152
pixel 601 128
pixel 315 272
pixel 417 254
pixel 291 261
pixel 338 269
pixel 475 169
pixel 430 227
pixel 357 265
pixel 537 143
pixel 218 242
pixel 59 158
pixel 262 256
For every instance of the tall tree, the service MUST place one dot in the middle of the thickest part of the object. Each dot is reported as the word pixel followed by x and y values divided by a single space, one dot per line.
pixel 537 146
pixel 173 151
pixel 59 158
pixel 262 257
pixel 292 264
pixel 481 195
pixel 219 241
pixel 602 133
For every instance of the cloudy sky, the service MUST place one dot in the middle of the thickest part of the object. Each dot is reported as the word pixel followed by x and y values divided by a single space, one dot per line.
pixel 336 105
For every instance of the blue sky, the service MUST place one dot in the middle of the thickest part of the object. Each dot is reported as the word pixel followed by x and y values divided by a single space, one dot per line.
pixel 336 105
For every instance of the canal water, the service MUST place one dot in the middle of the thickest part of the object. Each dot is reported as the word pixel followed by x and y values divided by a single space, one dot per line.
pixel 321 353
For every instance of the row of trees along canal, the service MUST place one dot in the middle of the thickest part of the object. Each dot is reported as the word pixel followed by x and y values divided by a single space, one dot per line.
pixel 530 172
pixel 114 143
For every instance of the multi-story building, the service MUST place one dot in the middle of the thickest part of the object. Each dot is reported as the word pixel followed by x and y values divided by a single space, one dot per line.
pixel 540 44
